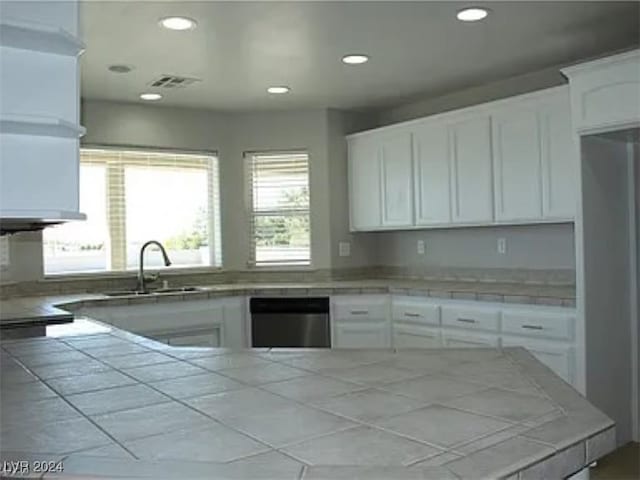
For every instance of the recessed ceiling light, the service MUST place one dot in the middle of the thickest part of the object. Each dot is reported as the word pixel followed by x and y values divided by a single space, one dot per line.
pixel 472 14
pixel 278 89
pixel 150 96
pixel 120 68
pixel 355 59
pixel 178 23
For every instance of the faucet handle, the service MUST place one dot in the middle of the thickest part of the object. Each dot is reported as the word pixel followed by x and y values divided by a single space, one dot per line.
pixel 151 277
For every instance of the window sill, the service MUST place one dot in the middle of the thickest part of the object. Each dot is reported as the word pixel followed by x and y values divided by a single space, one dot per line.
pixel 52 277
pixel 168 273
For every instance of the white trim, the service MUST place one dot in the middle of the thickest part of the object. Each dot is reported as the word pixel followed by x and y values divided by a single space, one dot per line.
pixel 633 284
pixel 600 63
pixel 27 35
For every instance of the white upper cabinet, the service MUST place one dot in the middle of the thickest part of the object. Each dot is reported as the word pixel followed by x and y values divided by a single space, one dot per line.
pixel 39 114
pixel 559 159
pixel 381 188
pixel 432 179
pixel 604 93
pixel 517 169
pixel 512 161
pixel 472 183
pixel 396 174
pixel 534 159
pixel 364 184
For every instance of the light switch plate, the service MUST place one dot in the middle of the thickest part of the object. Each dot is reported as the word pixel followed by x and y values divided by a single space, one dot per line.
pixel 344 249
pixel 502 246
pixel 420 247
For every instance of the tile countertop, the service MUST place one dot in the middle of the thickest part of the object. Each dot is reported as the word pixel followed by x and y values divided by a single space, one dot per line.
pixel 108 403
pixel 44 308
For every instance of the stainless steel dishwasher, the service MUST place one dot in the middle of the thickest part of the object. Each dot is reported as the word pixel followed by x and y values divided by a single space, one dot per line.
pixel 290 322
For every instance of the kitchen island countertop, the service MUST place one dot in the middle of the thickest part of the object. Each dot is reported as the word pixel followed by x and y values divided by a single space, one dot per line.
pixel 105 402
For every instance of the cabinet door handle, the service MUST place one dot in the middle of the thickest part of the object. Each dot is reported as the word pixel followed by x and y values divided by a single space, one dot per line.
pixel 359 312
pixel 409 314
pixel 466 320
pixel 533 327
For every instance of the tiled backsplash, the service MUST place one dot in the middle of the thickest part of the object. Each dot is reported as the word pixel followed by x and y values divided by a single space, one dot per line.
pixel 67 285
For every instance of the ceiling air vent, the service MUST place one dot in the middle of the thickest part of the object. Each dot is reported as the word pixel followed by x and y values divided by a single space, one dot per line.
pixel 172 81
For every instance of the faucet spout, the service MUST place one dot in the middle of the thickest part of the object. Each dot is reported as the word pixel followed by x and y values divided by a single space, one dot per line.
pixel 141 281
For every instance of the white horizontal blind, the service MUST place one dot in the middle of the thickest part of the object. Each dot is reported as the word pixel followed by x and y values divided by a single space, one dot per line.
pixel 279 223
pixel 166 196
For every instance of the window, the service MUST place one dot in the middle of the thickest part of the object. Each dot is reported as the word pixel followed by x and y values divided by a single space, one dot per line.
pixel 131 196
pixel 279 201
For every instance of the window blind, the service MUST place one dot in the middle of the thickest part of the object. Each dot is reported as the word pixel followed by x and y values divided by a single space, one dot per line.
pixel 279 223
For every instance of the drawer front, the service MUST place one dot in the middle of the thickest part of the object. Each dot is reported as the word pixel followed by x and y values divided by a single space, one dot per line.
pixel 471 318
pixel 361 335
pixel 538 324
pixel 416 312
pixel 469 340
pixel 407 335
pixel 357 310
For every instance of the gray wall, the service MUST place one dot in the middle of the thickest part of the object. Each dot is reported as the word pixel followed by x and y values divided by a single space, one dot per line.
pixel 535 247
pixel 528 247
pixel 605 203
pixel 420 107
pixel 321 132
pixel 363 244
pixel 25 258
pixel 232 135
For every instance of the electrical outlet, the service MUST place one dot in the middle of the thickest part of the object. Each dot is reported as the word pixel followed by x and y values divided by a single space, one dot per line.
pixel 420 247
pixel 502 246
pixel 344 249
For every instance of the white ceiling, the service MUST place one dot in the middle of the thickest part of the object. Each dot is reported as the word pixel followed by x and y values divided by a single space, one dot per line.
pixel 416 48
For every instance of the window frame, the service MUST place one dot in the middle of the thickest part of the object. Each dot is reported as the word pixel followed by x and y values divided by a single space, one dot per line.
pixel 251 264
pixel 195 269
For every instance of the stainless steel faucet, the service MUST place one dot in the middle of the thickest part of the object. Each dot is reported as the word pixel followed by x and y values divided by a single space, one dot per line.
pixel 141 281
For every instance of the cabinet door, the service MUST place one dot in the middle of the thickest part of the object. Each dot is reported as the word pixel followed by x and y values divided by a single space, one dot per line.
pixel 415 336
pixel 209 338
pixel 432 180
pixel 364 184
pixel 234 322
pixel 397 185
pixel 558 357
pixel 516 156
pixel 559 161
pixel 468 340
pixel 361 335
pixel 472 172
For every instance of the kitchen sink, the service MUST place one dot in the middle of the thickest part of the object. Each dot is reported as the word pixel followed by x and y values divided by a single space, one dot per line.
pixel 157 291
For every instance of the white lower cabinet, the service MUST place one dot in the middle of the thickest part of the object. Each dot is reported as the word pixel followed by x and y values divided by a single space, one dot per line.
pixel 464 339
pixel 206 337
pixel 558 356
pixel 360 321
pixel 408 335
pixel 211 322
pixel 361 335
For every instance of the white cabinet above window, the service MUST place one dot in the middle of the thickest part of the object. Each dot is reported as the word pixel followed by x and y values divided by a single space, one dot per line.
pixel 507 162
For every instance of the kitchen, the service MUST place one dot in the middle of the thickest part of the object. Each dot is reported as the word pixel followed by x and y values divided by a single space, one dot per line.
pixel 342 187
